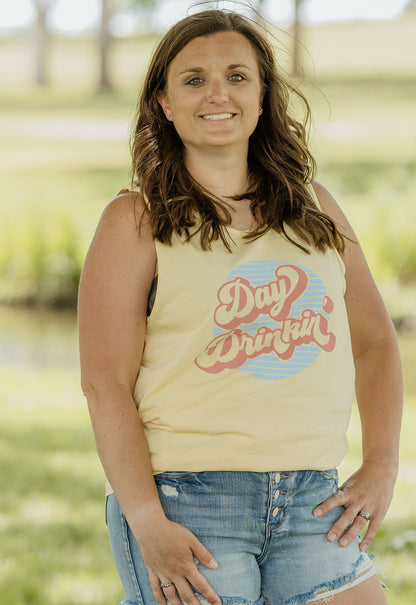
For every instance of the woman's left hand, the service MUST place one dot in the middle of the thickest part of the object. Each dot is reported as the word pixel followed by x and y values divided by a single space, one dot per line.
pixel 368 490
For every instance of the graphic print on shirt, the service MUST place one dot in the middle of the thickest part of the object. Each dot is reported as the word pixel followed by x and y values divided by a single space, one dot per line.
pixel 271 320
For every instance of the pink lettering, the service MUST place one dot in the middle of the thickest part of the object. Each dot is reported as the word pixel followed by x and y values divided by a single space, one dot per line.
pixel 232 349
pixel 240 302
pixel 327 304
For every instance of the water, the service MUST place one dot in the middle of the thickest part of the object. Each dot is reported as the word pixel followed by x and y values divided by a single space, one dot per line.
pixel 38 338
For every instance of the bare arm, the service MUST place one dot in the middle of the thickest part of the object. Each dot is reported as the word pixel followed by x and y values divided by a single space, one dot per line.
pixel 378 390
pixel 112 316
pixel 114 289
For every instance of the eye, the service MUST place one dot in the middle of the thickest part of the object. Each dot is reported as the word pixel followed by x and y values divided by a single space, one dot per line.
pixel 195 81
pixel 236 78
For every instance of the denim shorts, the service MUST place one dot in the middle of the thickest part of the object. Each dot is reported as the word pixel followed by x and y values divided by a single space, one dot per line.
pixel 270 548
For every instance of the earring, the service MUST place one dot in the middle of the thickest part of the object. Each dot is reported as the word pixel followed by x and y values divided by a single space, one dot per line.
pixel 168 116
pixel 261 111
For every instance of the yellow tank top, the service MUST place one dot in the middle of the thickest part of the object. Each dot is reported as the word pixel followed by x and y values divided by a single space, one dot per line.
pixel 247 364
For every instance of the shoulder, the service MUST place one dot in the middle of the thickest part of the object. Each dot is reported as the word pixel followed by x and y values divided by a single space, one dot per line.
pixel 127 216
pixel 319 189
pixel 126 207
pixel 326 200
pixel 121 261
pixel 367 315
pixel 330 207
pixel 124 236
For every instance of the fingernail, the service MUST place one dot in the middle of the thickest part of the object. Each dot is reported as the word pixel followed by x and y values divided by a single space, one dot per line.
pixel 213 565
pixel 343 542
pixel 317 512
pixel 332 537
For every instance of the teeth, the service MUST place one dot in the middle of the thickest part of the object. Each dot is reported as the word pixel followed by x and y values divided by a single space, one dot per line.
pixel 218 116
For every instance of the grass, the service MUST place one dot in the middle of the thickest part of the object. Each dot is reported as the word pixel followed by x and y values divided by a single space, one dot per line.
pixel 52 531
pixel 63 156
pixel 52 528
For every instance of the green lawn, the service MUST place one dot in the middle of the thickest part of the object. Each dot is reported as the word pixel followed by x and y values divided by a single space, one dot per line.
pixel 64 151
pixel 52 531
pixel 63 155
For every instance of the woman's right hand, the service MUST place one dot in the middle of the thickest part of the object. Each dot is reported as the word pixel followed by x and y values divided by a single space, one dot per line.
pixel 169 551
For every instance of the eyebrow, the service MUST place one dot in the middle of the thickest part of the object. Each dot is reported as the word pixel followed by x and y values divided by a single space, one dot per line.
pixel 200 70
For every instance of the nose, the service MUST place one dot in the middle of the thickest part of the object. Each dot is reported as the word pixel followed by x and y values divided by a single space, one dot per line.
pixel 217 91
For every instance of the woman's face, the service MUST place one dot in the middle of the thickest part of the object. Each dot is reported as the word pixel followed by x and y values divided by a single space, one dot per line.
pixel 213 93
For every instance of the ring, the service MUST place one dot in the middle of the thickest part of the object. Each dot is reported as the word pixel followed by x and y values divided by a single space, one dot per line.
pixel 365 515
pixel 166 585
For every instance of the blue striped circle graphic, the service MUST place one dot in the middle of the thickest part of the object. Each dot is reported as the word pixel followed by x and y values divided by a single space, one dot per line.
pixel 269 366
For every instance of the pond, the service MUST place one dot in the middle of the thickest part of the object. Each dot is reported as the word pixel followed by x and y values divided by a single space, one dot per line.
pixel 38 338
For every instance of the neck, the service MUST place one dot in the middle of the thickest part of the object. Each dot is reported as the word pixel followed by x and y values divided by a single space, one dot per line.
pixel 221 174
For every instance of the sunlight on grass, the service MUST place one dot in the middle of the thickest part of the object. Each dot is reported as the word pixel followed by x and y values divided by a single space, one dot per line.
pixel 52 507
pixel 64 155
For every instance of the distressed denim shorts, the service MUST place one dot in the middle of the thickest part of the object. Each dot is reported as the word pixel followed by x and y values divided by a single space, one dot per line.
pixel 270 548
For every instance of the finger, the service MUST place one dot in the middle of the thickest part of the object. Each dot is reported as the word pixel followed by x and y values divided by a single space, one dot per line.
pixel 200 583
pixel 184 589
pixel 170 593
pixel 355 528
pixel 157 591
pixel 338 499
pixel 342 524
pixel 371 532
pixel 203 555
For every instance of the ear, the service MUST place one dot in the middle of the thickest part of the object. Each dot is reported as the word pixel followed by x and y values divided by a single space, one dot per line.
pixel 164 103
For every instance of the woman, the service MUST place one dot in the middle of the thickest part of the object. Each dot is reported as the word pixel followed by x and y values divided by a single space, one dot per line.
pixel 221 417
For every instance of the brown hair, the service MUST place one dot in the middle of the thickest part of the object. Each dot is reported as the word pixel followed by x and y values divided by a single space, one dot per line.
pixel 279 161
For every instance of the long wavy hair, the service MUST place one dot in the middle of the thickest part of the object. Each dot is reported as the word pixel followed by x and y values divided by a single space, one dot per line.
pixel 280 164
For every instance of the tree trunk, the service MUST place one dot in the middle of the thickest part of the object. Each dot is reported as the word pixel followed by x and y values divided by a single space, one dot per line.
pixel 296 70
pixel 105 84
pixel 42 43
pixel 259 6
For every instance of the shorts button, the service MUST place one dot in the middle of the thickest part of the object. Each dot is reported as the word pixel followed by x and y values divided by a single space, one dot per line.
pixel 277 477
pixel 275 511
pixel 276 494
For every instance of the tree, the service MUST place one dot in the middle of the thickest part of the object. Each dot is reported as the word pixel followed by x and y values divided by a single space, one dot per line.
pixel 108 9
pixel 410 7
pixel 259 6
pixel 296 39
pixel 105 38
pixel 43 8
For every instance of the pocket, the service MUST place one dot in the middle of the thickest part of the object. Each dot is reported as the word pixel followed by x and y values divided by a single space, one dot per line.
pixel 331 479
pixel 177 488
pixel 330 474
pixel 175 475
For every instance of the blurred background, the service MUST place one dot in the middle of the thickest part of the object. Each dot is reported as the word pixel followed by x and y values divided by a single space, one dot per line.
pixel 70 71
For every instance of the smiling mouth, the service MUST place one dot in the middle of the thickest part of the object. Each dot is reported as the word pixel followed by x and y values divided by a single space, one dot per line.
pixel 218 116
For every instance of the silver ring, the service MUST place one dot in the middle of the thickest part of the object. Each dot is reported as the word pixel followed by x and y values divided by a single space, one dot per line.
pixel 166 585
pixel 365 515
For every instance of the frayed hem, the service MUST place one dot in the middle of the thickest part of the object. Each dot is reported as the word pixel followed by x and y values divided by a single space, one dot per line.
pixel 240 601
pixel 231 600
pixel 325 591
